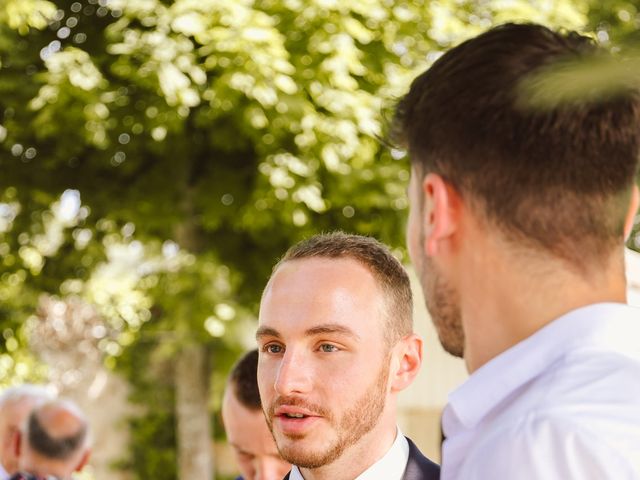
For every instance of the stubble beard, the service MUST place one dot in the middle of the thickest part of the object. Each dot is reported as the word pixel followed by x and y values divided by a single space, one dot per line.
pixel 354 424
pixel 443 304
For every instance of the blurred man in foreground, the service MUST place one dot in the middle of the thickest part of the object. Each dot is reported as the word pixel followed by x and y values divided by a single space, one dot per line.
pixel 16 404
pixel 255 450
pixel 54 442
pixel 519 212
pixel 336 347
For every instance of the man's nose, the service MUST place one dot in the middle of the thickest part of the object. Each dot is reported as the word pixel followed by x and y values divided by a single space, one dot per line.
pixel 294 374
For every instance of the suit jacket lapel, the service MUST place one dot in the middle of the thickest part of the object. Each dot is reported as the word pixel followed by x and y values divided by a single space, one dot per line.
pixel 420 467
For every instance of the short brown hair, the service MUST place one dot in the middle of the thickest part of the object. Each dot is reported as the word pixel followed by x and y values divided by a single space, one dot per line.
pixel 243 380
pixel 556 178
pixel 386 269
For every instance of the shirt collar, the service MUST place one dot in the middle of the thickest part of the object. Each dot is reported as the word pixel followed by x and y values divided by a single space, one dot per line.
pixel 390 467
pixel 526 360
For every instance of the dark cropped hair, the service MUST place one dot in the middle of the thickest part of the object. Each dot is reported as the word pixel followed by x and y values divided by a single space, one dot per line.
pixel 558 178
pixel 244 380
pixel 385 268
pixel 58 448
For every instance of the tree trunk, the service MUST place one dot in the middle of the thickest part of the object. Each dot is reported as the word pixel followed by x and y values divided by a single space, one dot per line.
pixel 192 368
pixel 195 461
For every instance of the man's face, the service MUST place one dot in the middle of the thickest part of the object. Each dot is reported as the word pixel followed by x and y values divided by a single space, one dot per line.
pixel 255 451
pixel 441 298
pixel 324 365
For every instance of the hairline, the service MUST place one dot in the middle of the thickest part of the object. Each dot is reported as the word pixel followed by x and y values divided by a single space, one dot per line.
pixel 506 228
pixel 232 390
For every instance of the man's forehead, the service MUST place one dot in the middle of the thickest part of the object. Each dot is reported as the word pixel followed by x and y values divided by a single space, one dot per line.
pixel 317 278
pixel 317 295
pixel 246 429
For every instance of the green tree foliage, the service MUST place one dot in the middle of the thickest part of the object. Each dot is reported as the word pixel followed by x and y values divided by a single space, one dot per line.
pixel 616 24
pixel 615 21
pixel 203 137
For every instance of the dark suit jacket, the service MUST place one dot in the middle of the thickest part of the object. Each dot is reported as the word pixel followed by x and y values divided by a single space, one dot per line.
pixel 28 476
pixel 419 467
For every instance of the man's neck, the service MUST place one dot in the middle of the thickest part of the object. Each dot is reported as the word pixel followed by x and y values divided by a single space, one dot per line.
pixel 511 299
pixel 358 457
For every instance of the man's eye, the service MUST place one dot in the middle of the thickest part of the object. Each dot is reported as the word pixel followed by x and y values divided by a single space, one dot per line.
pixel 273 348
pixel 247 456
pixel 328 348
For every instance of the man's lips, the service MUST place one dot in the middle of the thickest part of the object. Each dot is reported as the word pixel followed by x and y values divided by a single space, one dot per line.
pixel 294 412
pixel 294 421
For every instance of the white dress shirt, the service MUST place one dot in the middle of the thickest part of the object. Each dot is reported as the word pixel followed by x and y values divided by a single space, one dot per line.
pixel 390 467
pixel 562 404
pixel 3 473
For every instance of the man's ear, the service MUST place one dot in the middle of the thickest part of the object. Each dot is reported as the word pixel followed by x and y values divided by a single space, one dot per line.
pixel 631 213
pixel 408 361
pixel 441 212
pixel 16 439
pixel 83 460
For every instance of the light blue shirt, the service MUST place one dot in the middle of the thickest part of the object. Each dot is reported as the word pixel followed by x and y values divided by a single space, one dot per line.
pixel 562 404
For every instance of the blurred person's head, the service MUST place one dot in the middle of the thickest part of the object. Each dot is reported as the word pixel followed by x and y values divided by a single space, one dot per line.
pixel 336 346
pixel 54 441
pixel 503 186
pixel 16 404
pixel 247 432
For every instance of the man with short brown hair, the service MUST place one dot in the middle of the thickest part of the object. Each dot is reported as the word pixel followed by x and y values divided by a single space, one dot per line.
pixel 519 211
pixel 336 346
pixel 247 432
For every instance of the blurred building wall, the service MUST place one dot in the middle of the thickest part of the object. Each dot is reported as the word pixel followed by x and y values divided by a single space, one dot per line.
pixel 633 277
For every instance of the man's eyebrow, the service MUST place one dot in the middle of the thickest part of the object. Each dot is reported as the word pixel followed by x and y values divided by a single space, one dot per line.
pixel 332 328
pixel 240 449
pixel 267 332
